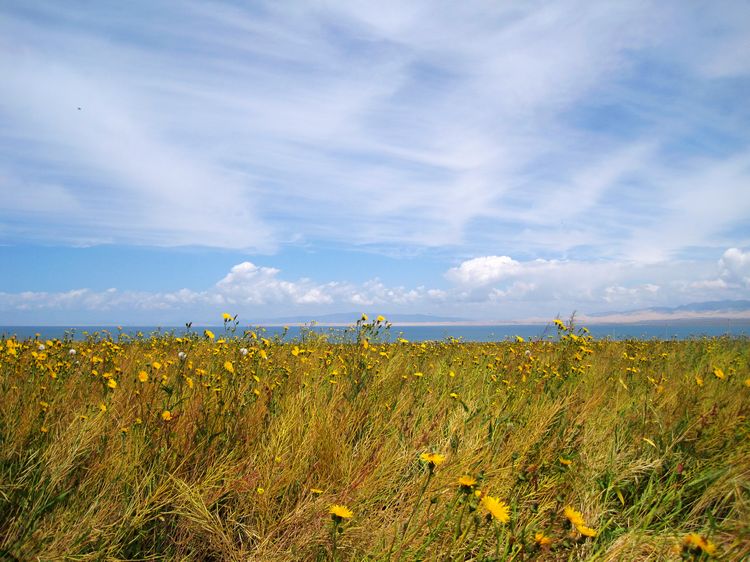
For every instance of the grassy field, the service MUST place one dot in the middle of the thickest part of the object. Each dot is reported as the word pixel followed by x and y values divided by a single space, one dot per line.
pixel 229 446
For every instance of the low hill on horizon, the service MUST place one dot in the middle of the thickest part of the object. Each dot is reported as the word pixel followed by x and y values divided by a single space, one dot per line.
pixel 352 317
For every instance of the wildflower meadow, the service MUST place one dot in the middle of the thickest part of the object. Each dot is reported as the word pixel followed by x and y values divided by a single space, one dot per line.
pixel 228 445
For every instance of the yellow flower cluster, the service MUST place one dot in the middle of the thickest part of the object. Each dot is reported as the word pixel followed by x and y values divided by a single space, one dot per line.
pixel 696 543
pixel 577 521
pixel 466 400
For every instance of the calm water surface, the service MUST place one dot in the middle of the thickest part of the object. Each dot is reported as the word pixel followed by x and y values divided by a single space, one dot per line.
pixel 421 333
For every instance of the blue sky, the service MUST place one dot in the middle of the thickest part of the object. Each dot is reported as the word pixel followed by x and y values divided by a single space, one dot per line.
pixel 489 160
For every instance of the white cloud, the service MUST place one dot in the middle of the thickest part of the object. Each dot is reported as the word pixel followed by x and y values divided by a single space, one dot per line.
pixel 405 126
pixel 734 267
pixel 515 291
pixel 618 293
pixel 248 284
pixel 733 274
pixel 484 270
pixel 246 287
pixel 486 287
pixel 593 285
pixel 376 292
pixel 610 140
pixel 694 207
pixel 710 284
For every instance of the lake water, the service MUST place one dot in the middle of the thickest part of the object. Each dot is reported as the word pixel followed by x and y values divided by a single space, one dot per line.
pixel 678 330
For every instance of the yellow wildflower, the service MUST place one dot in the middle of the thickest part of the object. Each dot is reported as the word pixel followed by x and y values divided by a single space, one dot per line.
pixel 166 415
pixel 339 512
pixel 542 540
pixel 574 516
pixel 209 334
pixel 694 541
pixel 466 483
pixel 586 531
pixel 229 367
pixel 112 383
pixel 432 459
pixel 719 374
pixel 316 491
pixel 227 317
pixel 496 508
pixel 566 462
pixel 103 407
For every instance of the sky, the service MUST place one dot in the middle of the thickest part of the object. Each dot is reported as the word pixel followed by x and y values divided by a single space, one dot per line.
pixel 164 162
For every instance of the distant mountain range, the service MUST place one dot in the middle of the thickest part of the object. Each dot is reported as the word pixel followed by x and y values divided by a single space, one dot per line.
pixel 692 312
pixel 352 317
pixel 696 311
pixel 709 306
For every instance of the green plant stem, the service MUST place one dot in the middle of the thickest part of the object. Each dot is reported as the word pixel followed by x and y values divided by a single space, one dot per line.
pixel 408 521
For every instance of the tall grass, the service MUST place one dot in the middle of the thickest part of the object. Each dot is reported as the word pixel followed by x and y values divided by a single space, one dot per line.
pixel 235 448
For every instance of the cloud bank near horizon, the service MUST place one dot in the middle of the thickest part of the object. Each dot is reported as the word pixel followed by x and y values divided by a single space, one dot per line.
pixel 485 288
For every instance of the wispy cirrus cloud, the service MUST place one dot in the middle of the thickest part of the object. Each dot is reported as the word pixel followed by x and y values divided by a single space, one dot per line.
pixel 560 129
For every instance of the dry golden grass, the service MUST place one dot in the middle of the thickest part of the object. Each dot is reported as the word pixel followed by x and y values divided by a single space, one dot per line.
pixel 237 449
